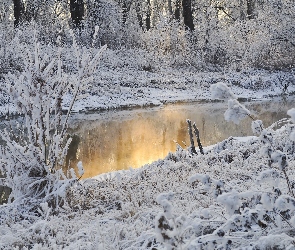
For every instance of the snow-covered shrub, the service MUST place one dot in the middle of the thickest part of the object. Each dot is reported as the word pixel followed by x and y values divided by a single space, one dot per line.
pixel 291 113
pixel 236 111
pixel 221 91
pixel 106 15
pixel 169 43
pixel 32 159
pixel 269 204
pixel 257 127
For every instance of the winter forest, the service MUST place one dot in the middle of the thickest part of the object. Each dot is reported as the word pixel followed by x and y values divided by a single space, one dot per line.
pixel 201 34
pixel 66 65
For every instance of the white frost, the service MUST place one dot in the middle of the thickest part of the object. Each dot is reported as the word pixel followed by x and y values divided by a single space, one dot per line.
pixel 292 135
pixel 235 112
pixel 230 200
pixel 221 91
pixel 80 168
pixel 204 178
pixel 257 127
pixel 291 112
pixel 280 158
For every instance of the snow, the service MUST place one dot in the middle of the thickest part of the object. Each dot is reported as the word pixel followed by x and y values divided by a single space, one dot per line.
pixel 175 89
pixel 235 112
pixel 257 127
pixel 138 89
pixel 292 136
pixel 291 113
pixel 221 91
pixel 231 201
pixel 80 168
pixel 280 158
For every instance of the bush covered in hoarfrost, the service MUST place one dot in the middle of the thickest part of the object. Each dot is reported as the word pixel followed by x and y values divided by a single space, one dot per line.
pixel 33 155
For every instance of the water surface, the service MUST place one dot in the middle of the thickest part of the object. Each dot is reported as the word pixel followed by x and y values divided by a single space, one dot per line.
pixel 116 140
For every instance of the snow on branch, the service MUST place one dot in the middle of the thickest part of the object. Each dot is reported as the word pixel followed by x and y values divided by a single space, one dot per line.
pixel 221 91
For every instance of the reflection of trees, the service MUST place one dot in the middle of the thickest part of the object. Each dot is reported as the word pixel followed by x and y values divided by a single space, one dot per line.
pixel 72 150
pixel 120 146
pixel 4 194
pixel 182 133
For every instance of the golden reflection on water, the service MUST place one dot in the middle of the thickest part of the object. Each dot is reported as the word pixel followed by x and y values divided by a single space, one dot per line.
pixel 133 138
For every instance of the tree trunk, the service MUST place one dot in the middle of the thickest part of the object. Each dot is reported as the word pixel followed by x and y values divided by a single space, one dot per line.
pixel 148 16
pixel 170 8
pixel 18 12
pixel 242 10
pixel 77 12
pixel 177 10
pixel 251 9
pixel 188 14
pixel 139 14
pixel 125 11
pixel 31 11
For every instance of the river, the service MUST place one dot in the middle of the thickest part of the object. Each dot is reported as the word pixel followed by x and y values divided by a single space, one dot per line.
pixel 120 139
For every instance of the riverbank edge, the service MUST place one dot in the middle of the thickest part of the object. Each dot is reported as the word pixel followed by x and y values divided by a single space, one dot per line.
pixel 96 103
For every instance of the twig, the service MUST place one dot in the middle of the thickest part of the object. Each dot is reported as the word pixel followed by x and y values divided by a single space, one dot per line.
pixel 288 182
pixel 80 177
pixel 284 219
pixel 223 10
pixel 197 133
pixel 190 132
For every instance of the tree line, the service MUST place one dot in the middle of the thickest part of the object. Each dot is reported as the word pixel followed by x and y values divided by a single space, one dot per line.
pixel 255 33
pixel 180 10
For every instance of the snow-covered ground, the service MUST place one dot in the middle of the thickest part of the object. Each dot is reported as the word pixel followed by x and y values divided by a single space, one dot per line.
pixel 126 87
pixel 147 89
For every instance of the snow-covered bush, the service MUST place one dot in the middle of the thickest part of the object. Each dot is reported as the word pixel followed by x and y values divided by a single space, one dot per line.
pixel 221 91
pixel 236 111
pixel 33 158
pixel 246 211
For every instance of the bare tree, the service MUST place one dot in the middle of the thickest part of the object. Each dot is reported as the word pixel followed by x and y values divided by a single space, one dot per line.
pixel 143 12
pixel 77 12
pixel 148 15
pixel 177 10
pixel 18 7
pixel 125 9
pixel 251 9
pixel 188 14
pixel 139 13
pixel 170 7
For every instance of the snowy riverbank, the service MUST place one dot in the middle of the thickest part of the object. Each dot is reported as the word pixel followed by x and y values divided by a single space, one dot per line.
pixel 149 89
pixel 126 87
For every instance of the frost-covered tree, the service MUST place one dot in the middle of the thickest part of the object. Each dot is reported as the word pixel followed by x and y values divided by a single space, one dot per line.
pixel 33 158
pixel 237 34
